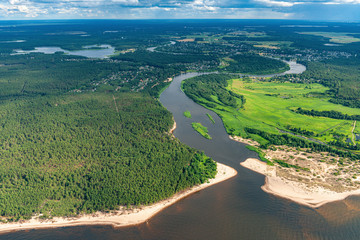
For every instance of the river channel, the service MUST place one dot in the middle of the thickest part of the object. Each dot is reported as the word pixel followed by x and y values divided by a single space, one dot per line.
pixel 234 209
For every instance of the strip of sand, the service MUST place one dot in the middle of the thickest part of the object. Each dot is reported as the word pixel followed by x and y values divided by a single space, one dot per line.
pixel 173 128
pixel 244 140
pixel 298 192
pixel 122 217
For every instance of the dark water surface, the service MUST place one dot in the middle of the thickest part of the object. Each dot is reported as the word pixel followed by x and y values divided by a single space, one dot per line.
pixel 234 209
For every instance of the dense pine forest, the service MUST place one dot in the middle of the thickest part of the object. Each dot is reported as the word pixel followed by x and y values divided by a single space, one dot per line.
pixel 86 152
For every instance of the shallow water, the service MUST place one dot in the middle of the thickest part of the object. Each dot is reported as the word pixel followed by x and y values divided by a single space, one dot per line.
pixel 234 209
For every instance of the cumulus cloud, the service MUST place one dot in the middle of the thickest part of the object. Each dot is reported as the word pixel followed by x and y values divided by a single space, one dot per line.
pixel 160 8
pixel 203 5
pixel 21 7
pixel 346 2
pixel 126 1
pixel 278 3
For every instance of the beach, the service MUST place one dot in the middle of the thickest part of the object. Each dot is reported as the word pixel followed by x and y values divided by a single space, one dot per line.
pixel 313 196
pixel 122 217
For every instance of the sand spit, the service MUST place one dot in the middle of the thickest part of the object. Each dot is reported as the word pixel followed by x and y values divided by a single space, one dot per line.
pixel 314 196
pixel 119 218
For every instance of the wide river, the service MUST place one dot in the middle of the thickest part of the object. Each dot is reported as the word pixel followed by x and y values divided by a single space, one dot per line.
pixel 234 209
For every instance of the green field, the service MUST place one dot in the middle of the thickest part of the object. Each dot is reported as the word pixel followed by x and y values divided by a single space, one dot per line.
pixel 335 37
pixel 202 130
pixel 269 107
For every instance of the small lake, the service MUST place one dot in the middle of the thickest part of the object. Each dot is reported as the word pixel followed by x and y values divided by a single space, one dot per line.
pixel 92 51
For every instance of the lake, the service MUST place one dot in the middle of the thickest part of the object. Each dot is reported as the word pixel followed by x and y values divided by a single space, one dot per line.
pixel 104 51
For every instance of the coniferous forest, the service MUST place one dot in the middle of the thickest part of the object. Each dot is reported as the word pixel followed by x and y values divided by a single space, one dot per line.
pixel 82 153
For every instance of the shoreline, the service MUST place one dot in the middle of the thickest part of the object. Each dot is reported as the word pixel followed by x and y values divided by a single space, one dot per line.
pixel 298 192
pixel 244 140
pixel 119 218
pixel 171 131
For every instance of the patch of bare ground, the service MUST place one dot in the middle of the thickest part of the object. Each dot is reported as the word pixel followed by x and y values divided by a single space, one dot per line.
pixel 245 140
pixel 315 168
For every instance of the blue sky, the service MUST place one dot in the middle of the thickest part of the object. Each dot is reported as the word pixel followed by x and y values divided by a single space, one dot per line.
pixel 329 10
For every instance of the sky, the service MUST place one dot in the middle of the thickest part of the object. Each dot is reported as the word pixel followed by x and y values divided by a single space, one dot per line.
pixel 320 10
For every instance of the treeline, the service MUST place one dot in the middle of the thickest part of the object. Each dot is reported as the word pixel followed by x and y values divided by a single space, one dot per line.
pixel 300 131
pixel 71 154
pixel 158 59
pixel 255 64
pixel 211 87
pixel 329 114
pixel 341 75
pixel 286 139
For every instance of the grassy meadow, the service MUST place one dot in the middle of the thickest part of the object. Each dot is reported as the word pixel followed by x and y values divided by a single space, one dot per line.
pixel 269 107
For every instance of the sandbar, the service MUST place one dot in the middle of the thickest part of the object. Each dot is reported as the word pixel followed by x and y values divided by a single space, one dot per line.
pixel 314 196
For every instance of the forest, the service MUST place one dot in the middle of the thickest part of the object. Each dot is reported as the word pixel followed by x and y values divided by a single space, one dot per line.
pixel 210 86
pixel 330 114
pixel 254 64
pixel 81 153
pixel 341 75
pixel 80 135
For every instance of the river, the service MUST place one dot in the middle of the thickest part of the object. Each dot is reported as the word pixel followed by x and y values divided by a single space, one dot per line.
pixel 234 209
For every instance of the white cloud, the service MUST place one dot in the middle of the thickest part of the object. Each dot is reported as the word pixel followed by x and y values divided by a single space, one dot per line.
pixel 129 2
pixel 21 7
pixel 290 3
pixel 203 5
pixel 278 3
pixel 331 3
pixel 346 2
pixel 156 8
pixel 71 10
